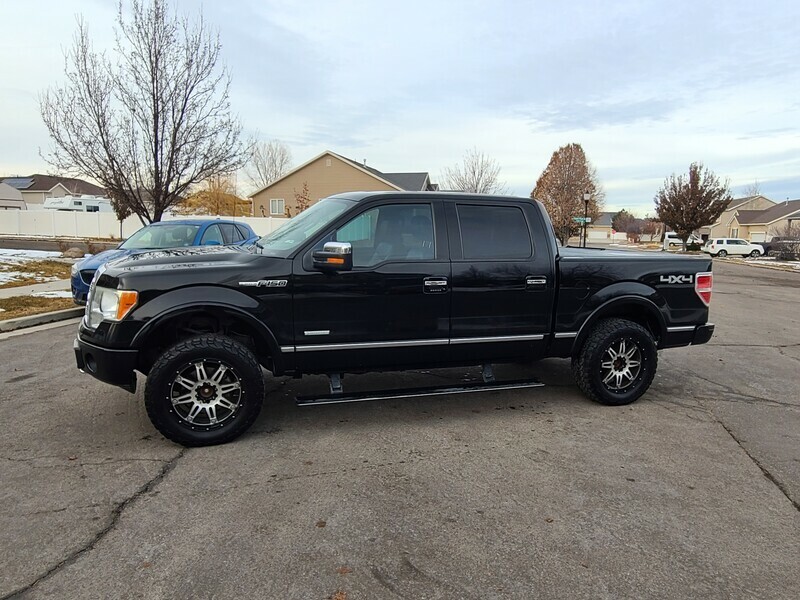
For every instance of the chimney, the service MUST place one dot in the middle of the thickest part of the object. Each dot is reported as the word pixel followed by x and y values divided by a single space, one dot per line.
pixel 365 162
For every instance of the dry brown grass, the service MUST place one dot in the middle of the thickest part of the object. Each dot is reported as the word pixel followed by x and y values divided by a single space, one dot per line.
pixel 23 306
pixel 39 269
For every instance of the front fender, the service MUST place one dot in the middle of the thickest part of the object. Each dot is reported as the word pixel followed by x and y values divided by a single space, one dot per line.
pixel 187 300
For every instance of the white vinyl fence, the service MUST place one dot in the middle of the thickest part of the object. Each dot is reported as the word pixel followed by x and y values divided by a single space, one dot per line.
pixel 74 224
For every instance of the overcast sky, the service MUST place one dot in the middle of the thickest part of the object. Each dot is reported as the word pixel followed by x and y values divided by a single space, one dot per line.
pixel 646 87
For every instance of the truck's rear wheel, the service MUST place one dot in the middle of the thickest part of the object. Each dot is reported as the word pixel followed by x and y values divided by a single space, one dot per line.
pixel 616 363
pixel 204 390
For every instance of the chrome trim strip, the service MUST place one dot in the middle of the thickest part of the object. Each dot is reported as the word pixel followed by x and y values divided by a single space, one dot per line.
pixel 318 332
pixel 367 345
pixel 497 338
pixel 682 328
pixel 287 349
pixel 566 334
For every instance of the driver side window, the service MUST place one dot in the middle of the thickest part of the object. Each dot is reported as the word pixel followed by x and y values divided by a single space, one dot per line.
pixel 399 232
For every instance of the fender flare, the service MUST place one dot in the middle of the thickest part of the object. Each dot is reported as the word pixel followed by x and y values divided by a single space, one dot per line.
pixel 261 331
pixel 629 299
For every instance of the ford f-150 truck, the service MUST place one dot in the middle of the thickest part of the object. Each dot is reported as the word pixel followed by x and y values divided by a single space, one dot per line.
pixel 373 281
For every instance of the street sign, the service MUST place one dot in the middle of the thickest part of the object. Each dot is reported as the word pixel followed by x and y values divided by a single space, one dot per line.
pixel 582 219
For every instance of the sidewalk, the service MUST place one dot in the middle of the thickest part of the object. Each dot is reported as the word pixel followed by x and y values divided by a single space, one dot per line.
pixel 27 290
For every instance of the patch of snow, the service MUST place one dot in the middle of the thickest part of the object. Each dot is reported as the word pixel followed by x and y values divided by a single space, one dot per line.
pixel 53 294
pixel 27 254
pixel 6 276
pixel 2 310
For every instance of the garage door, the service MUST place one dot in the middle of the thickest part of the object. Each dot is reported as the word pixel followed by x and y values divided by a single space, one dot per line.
pixel 758 237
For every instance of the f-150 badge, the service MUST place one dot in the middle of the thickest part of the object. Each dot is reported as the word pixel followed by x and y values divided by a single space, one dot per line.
pixel 264 283
pixel 670 279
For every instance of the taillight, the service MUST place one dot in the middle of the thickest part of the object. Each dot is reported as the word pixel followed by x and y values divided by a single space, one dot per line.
pixel 703 283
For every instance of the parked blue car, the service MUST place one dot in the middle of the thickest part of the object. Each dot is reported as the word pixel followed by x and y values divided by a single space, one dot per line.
pixel 158 236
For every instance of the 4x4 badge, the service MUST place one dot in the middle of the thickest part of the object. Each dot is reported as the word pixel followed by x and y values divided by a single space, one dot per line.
pixel 265 283
pixel 677 279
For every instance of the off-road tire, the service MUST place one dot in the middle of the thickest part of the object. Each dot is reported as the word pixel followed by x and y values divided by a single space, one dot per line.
pixel 209 347
pixel 586 365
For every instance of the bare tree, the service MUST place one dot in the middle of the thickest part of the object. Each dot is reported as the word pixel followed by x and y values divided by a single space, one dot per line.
pixel 688 202
pixel 302 200
pixel 153 120
pixel 268 162
pixel 477 173
pixel 752 189
pixel 561 186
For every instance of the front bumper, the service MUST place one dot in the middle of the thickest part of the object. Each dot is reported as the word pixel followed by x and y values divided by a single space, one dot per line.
pixel 110 366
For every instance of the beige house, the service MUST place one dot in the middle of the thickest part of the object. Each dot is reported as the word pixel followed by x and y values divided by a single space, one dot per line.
pixel 35 189
pixel 761 225
pixel 328 174
pixel 724 226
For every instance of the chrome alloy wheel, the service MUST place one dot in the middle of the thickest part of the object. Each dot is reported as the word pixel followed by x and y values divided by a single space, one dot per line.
pixel 621 365
pixel 206 393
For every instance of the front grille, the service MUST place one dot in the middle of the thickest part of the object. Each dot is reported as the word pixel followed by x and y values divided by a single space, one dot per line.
pixel 87 275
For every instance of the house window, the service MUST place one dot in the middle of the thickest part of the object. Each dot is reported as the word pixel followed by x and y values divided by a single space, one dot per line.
pixel 277 206
pixel 327 162
pixel 735 232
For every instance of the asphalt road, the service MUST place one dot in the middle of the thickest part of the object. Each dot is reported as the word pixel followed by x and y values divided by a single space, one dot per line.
pixel 691 492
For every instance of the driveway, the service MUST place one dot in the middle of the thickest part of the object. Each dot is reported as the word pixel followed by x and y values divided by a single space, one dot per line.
pixel 691 492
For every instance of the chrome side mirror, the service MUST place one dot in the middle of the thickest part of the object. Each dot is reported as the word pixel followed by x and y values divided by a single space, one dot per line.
pixel 334 256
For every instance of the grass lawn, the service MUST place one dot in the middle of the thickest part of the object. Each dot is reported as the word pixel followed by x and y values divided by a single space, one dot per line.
pixel 35 271
pixel 22 306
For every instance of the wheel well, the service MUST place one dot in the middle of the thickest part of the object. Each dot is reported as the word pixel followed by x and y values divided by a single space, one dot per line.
pixel 632 311
pixel 200 321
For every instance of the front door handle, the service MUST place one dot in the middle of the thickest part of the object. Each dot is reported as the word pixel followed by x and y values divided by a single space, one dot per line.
pixel 434 285
pixel 535 282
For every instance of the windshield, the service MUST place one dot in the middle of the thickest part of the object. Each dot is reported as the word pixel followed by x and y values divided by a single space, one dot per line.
pixel 161 236
pixel 295 232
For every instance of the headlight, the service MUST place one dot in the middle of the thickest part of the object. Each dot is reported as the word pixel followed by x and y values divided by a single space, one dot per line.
pixel 74 269
pixel 109 305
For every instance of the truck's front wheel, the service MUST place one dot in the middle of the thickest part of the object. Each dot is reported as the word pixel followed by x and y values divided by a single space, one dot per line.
pixel 616 363
pixel 204 390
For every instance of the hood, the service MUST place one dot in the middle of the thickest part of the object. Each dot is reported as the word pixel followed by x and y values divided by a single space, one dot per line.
pixel 175 258
pixel 199 265
pixel 95 261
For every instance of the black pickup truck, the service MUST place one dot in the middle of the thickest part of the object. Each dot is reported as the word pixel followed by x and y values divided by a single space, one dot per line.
pixel 365 282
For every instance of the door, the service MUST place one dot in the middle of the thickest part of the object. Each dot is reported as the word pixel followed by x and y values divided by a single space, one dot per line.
pixel 502 283
pixel 393 308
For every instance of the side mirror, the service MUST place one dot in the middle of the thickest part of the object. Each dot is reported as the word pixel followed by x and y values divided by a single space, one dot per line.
pixel 334 256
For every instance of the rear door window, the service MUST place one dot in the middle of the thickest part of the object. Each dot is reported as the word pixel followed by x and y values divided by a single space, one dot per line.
pixel 493 232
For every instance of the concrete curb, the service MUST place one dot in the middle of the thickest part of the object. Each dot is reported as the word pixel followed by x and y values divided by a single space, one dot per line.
pixel 40 319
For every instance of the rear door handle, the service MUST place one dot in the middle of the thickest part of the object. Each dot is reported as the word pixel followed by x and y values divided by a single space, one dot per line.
pixel 535 282
pixel 434 285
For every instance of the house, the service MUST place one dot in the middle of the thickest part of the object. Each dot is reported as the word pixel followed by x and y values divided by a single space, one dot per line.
pixel 35 189
pixel 328 174
pixel 601 228
pixel 722 227
pixel 761 225
pixel 11 198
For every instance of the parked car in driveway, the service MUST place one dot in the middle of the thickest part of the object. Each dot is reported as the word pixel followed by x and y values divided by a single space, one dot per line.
pixel 159 236
pixel 779 245
pixel 733 246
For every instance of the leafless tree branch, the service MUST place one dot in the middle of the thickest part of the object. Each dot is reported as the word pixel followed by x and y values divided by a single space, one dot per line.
pixel 153 121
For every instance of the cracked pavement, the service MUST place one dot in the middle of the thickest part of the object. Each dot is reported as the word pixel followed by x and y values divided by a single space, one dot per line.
pixel 691 492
